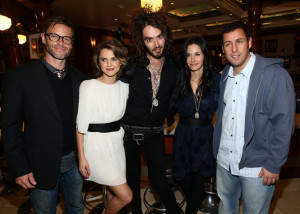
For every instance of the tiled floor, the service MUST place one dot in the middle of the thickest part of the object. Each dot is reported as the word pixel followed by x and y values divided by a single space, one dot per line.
pixel 286 199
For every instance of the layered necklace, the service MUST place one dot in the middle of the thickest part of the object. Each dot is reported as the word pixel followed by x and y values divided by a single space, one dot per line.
pixel 197 103
pixel 197 99
pixel 155 79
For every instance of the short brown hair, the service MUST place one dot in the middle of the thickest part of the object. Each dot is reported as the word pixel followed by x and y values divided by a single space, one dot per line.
pixel 57 20
pixel 117 48
pixel 236 25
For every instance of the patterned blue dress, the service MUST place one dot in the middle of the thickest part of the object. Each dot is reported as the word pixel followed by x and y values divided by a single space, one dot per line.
pixel 192 149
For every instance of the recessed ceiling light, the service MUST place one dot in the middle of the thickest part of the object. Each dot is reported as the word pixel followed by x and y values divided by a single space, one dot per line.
pixel 177 30
pixel 172 3
pixel 230 14
pixel 116 19
pixel 279 14
pixel 218 7
pixel 218 23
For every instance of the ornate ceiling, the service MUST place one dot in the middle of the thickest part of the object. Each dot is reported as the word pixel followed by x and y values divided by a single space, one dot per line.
pixel 186 17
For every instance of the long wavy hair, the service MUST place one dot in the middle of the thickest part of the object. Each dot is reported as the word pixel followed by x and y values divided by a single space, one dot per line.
pixel 119 51
pixel 209 70
pixel 143 18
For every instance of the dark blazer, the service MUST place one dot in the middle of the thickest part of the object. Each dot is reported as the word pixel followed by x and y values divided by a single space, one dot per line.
pixel 27 97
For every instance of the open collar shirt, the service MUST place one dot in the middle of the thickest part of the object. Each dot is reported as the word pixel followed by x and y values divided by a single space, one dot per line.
pixel 233 121
pixel 139 109
pixel 53 69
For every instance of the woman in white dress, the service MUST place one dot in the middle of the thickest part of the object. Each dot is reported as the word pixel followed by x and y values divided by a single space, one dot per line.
pixel 99 136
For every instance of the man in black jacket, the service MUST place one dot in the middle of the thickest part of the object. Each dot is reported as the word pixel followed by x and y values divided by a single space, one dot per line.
pixel 153 75
pixel 42 98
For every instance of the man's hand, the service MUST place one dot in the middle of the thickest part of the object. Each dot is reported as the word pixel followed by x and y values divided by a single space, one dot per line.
pixel 26 181
pixel 269 177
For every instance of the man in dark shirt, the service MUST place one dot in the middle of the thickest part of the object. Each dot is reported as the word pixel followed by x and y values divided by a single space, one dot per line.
pixel 43 95
pixel 153 75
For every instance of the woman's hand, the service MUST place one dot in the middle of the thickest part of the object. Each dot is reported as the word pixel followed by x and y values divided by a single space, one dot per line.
pixel 84 168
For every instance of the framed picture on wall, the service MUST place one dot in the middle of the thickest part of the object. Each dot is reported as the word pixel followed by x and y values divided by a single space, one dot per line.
pixel 271 45
pixel 36 49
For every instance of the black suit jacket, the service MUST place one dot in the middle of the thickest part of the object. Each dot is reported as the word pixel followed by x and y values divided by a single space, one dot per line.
pixel 27 97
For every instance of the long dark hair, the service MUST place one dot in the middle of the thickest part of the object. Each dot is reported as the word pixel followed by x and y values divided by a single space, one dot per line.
pixel 143 18
pixel 208 68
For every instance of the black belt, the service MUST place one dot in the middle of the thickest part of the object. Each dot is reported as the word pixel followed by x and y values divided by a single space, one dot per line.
pixel 104 127
pixel 194 122
pixel 142 130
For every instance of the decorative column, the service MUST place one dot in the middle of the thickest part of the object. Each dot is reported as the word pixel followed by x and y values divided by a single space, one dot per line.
pixel 254 22
pixel 15 50
pixel 42 12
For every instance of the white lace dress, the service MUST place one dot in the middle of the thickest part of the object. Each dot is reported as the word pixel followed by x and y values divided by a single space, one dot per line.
pixel 103 103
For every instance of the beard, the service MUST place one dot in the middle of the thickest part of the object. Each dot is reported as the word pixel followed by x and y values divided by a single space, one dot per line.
pixel 61 56
pixel 152 53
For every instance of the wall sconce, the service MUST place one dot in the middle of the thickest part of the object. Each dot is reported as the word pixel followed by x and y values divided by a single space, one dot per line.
pixel 5 22
pixel 93 41
pixel 22 39
pixel 153 5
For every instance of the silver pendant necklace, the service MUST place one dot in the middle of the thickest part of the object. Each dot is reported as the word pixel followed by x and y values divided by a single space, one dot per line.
pixel 155 102
pixel 155 79
pixel 197 104
pixel 155 87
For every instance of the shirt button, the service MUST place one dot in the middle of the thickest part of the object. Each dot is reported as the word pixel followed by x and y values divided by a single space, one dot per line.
pixel 230 151
pixel 236 83
pixel 231 135
pixel 233 118
pixel 233 100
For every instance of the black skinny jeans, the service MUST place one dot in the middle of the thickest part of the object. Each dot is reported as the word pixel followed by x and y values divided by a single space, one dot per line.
pixel 153 146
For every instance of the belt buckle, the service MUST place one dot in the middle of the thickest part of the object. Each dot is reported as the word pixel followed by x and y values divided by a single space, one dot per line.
pixel 138 136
